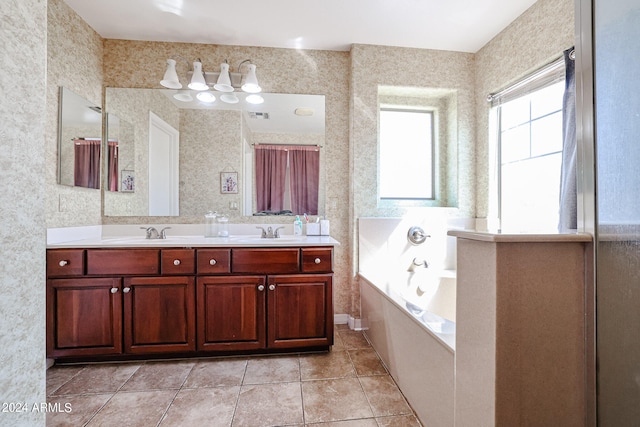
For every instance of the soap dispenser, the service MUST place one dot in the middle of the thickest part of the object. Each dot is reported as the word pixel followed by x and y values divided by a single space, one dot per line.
pixel 210 225
pixel 297 226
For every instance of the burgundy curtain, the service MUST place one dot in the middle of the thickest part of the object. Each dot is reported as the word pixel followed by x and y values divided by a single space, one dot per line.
pixel 305 178
pixel 86 171
pixel 271 169
pixel 112 172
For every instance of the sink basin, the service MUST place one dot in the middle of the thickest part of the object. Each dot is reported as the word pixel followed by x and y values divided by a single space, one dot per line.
pixel 141 239
pixel 270 241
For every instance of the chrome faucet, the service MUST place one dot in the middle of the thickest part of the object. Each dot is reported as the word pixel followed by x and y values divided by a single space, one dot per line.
pixel 152 233
pixel 269 233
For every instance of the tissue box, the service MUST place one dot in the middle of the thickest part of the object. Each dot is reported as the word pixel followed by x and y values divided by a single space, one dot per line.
pixel 313 229
pixel 324 227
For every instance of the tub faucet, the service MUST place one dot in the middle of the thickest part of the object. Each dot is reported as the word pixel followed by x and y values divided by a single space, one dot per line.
pixel 418 263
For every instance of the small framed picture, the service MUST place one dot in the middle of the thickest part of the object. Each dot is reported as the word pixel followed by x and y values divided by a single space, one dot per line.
pixel 228 182
pixel 127 181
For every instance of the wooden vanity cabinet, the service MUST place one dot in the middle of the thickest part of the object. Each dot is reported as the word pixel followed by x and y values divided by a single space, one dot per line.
pixel 231 313
pixel 84 316
pixel 119 301
pixel 299 311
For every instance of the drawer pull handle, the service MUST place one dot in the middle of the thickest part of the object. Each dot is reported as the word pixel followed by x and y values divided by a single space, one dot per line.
pixel 261 288
pixel 212 261
pixel 176 262
pixel 114 290
pixel 126 290
pixel 272 287
pixel 63 262
pixel 317 260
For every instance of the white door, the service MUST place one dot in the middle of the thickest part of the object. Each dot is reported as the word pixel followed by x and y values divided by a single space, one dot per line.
pixel 163 168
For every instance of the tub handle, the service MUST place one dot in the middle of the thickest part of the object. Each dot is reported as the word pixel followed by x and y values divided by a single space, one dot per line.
pixel 416 235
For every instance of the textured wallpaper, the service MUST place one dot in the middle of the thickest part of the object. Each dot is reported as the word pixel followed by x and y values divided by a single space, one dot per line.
pixel 23 38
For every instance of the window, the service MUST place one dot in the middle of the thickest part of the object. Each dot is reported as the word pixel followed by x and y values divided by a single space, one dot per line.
pixel 406 154
pixel 530 156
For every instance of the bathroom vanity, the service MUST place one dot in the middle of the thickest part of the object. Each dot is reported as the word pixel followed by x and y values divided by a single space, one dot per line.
pixel 121 300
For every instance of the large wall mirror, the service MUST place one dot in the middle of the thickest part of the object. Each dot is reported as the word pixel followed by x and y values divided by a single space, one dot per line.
pixel 79 141
pixel 170 154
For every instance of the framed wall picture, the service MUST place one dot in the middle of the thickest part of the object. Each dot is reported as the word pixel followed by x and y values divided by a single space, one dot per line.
pixel 228 182
pixel 127 181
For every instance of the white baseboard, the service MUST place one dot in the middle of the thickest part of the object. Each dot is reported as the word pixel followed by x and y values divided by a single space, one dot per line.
pixel 345 319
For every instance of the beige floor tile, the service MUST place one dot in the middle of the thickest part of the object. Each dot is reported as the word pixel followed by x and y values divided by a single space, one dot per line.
pixel 57 376
pixel 272 369
pixel 399 421
pixel 334 364
pixel 99 379
pixel 367 362
pixel 338 344
pixel 353 339
pixel 261 405
pixel 211 407
pixel 77 409
pixel 364 422
pixel 159 376
pixel 334 400
pixel 384 396
pixel 134 409
pixel 216 373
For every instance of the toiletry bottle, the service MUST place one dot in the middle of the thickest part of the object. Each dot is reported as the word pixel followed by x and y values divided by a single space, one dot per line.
pixel 210 228
pixel 223 226
pixel 297 226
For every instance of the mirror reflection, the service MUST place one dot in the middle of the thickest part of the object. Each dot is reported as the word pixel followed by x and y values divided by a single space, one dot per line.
pixel 188 157
pixel 79 141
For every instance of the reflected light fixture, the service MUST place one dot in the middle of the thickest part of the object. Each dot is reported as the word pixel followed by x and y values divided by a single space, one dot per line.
pixel 170 78
pixel 254 99
pixel 229 98
pixel 197 79
pixel 183 95
pixel 206 96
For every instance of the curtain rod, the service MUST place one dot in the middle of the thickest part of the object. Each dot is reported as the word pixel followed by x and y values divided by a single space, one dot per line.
pixel 290 145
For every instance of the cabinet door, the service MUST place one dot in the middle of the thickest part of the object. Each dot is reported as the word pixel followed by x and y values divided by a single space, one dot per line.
pixel 300 311
pixel 231 312
pixel 159 314
pixel 84 317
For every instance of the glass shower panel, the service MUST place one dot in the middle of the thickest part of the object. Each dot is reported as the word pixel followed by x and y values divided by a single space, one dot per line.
pixel 617 123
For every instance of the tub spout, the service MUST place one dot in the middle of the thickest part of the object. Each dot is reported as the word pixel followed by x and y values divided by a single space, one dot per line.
pixel 418 263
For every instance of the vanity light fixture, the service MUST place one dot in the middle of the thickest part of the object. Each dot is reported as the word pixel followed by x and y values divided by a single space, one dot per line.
pixel 222 81
pixel 183 95
pixel 254 99
pixel 170 79
pixel 197 78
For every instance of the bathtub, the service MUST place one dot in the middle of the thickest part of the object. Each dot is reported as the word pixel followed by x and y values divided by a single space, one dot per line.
pixel 410 316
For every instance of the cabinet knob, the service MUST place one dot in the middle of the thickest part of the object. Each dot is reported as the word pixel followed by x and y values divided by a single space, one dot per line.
pixel 272 287
pixel 212 261
pixel 317 260
pixel 261 288
pixel 63 262
pixel 126 290
pixel 176 262
pixel 114 290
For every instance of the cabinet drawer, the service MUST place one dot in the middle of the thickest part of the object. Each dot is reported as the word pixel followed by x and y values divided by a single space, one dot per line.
pixel 178 261
pixel 266 261
pixel 123 261
pixel 65 262
pixel 317 260
pixel 214 261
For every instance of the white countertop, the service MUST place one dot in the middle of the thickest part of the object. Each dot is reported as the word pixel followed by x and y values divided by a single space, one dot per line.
pixel 196 241
pixel 179 235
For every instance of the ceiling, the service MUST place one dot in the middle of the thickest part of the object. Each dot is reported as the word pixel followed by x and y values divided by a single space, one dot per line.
pixel 456 25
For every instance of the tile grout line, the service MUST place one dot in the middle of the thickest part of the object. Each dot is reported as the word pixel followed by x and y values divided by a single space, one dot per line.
pixel 166 411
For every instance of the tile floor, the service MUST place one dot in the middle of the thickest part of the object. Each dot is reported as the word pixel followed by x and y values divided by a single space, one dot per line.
pixel 348 386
